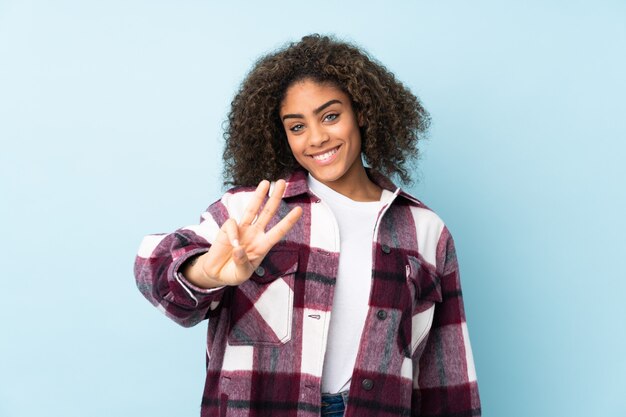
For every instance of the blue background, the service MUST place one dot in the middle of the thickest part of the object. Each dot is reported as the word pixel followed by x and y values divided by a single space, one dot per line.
pixel 110 128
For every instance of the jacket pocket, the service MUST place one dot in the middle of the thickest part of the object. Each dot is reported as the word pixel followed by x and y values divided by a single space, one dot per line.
pixel 262 307
pixel 425 287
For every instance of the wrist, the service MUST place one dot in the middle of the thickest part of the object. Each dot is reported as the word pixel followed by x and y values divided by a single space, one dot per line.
pixel 193 272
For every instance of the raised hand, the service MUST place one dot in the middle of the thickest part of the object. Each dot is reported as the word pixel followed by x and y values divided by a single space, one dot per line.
pixel 239 248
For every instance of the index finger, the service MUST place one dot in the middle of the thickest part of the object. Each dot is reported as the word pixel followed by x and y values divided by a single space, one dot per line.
pixel 255 203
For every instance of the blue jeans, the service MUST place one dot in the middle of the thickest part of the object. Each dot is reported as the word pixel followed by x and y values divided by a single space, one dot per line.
pixel 334 405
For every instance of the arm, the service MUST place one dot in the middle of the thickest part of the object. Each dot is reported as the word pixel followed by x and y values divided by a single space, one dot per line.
pixel 185 273
pixel 446 382
pixel 158 271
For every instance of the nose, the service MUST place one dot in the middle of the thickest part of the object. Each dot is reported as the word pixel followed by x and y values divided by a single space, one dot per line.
pixel 318 136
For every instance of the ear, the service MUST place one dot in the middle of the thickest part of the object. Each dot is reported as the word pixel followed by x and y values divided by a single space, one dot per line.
pixel 360 119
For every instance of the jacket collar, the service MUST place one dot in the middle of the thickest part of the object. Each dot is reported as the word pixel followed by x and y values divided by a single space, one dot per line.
pixel 297 185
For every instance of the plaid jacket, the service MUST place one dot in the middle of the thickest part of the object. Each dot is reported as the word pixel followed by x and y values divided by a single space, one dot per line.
pixel 267 337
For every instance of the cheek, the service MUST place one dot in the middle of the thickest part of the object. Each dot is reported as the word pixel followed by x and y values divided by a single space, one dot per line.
pixel 291 144
pixel 295 149
pixel 348 130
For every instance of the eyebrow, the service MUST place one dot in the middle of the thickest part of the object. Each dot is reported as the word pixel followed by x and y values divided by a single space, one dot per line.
pixel 316 111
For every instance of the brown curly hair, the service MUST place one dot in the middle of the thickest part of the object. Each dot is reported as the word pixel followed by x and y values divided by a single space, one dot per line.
pixel 256 142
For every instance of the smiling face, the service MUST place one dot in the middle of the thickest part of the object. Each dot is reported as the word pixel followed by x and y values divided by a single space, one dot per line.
pixel 324 136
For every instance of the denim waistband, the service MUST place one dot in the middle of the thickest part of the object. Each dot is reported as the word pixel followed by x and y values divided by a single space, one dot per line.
pixel 334 405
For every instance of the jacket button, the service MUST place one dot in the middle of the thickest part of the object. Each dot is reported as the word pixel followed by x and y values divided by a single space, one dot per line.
pixel 260 271
pixel 386 249
pixel 367 384
pixel 381 314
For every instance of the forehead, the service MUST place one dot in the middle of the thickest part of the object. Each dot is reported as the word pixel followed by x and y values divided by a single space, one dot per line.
pixel 308 94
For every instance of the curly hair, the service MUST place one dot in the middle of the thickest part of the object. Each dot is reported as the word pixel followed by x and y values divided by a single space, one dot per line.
pixel 256 143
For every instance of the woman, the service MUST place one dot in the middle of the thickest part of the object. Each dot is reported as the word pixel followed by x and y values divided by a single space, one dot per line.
pixel 339 293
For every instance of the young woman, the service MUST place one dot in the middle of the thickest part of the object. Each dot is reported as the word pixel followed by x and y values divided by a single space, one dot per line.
pixel 338 294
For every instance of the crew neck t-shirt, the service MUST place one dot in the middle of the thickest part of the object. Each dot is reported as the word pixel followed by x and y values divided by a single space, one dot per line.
pixel 356 221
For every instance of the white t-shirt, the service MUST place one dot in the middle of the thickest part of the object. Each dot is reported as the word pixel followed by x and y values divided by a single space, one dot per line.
pixel 356 221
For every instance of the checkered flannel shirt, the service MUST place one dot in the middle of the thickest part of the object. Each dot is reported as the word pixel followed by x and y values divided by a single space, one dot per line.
pixel 267 337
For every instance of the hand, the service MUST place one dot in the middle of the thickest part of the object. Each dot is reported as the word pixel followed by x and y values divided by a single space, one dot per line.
pixel 239 248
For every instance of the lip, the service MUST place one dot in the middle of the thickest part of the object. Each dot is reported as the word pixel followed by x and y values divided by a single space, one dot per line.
pixel 329 159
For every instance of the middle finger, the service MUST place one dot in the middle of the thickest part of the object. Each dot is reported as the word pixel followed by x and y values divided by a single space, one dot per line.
pixel 272 204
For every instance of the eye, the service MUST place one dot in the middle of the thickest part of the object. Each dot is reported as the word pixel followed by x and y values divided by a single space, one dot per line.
pixel 330 117
pixel 296 128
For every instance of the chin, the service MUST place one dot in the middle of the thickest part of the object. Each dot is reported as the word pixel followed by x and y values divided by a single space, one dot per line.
pixel 327 177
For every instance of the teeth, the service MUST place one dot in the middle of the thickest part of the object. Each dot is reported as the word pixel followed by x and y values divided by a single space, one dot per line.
pixel 325 155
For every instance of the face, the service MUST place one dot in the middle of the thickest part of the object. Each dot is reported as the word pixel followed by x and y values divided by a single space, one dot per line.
pixel 323 133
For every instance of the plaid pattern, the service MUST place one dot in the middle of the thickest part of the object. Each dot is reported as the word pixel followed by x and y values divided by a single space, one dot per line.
pixel 267 337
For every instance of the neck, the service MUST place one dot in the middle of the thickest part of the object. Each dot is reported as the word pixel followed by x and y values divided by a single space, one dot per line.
pixel 356 185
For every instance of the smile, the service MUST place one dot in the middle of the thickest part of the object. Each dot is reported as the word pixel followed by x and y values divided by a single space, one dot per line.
pixel 323 157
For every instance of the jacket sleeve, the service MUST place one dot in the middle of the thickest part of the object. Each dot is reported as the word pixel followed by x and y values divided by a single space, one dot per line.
pixel 446 381
pixel 157 274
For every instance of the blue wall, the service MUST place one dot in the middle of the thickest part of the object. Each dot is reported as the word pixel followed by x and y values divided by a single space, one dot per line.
pixel 110 127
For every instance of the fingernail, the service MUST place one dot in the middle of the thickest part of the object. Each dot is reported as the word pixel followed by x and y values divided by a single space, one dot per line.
pixel 235 243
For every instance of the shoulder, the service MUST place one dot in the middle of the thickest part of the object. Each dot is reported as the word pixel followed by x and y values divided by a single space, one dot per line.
pixel 423 216
pixel 232 203
pixel 430 231
pixel 237 198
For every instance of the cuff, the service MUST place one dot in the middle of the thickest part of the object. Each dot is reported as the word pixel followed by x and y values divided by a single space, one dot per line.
pixel 185 282
pixel 197 294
